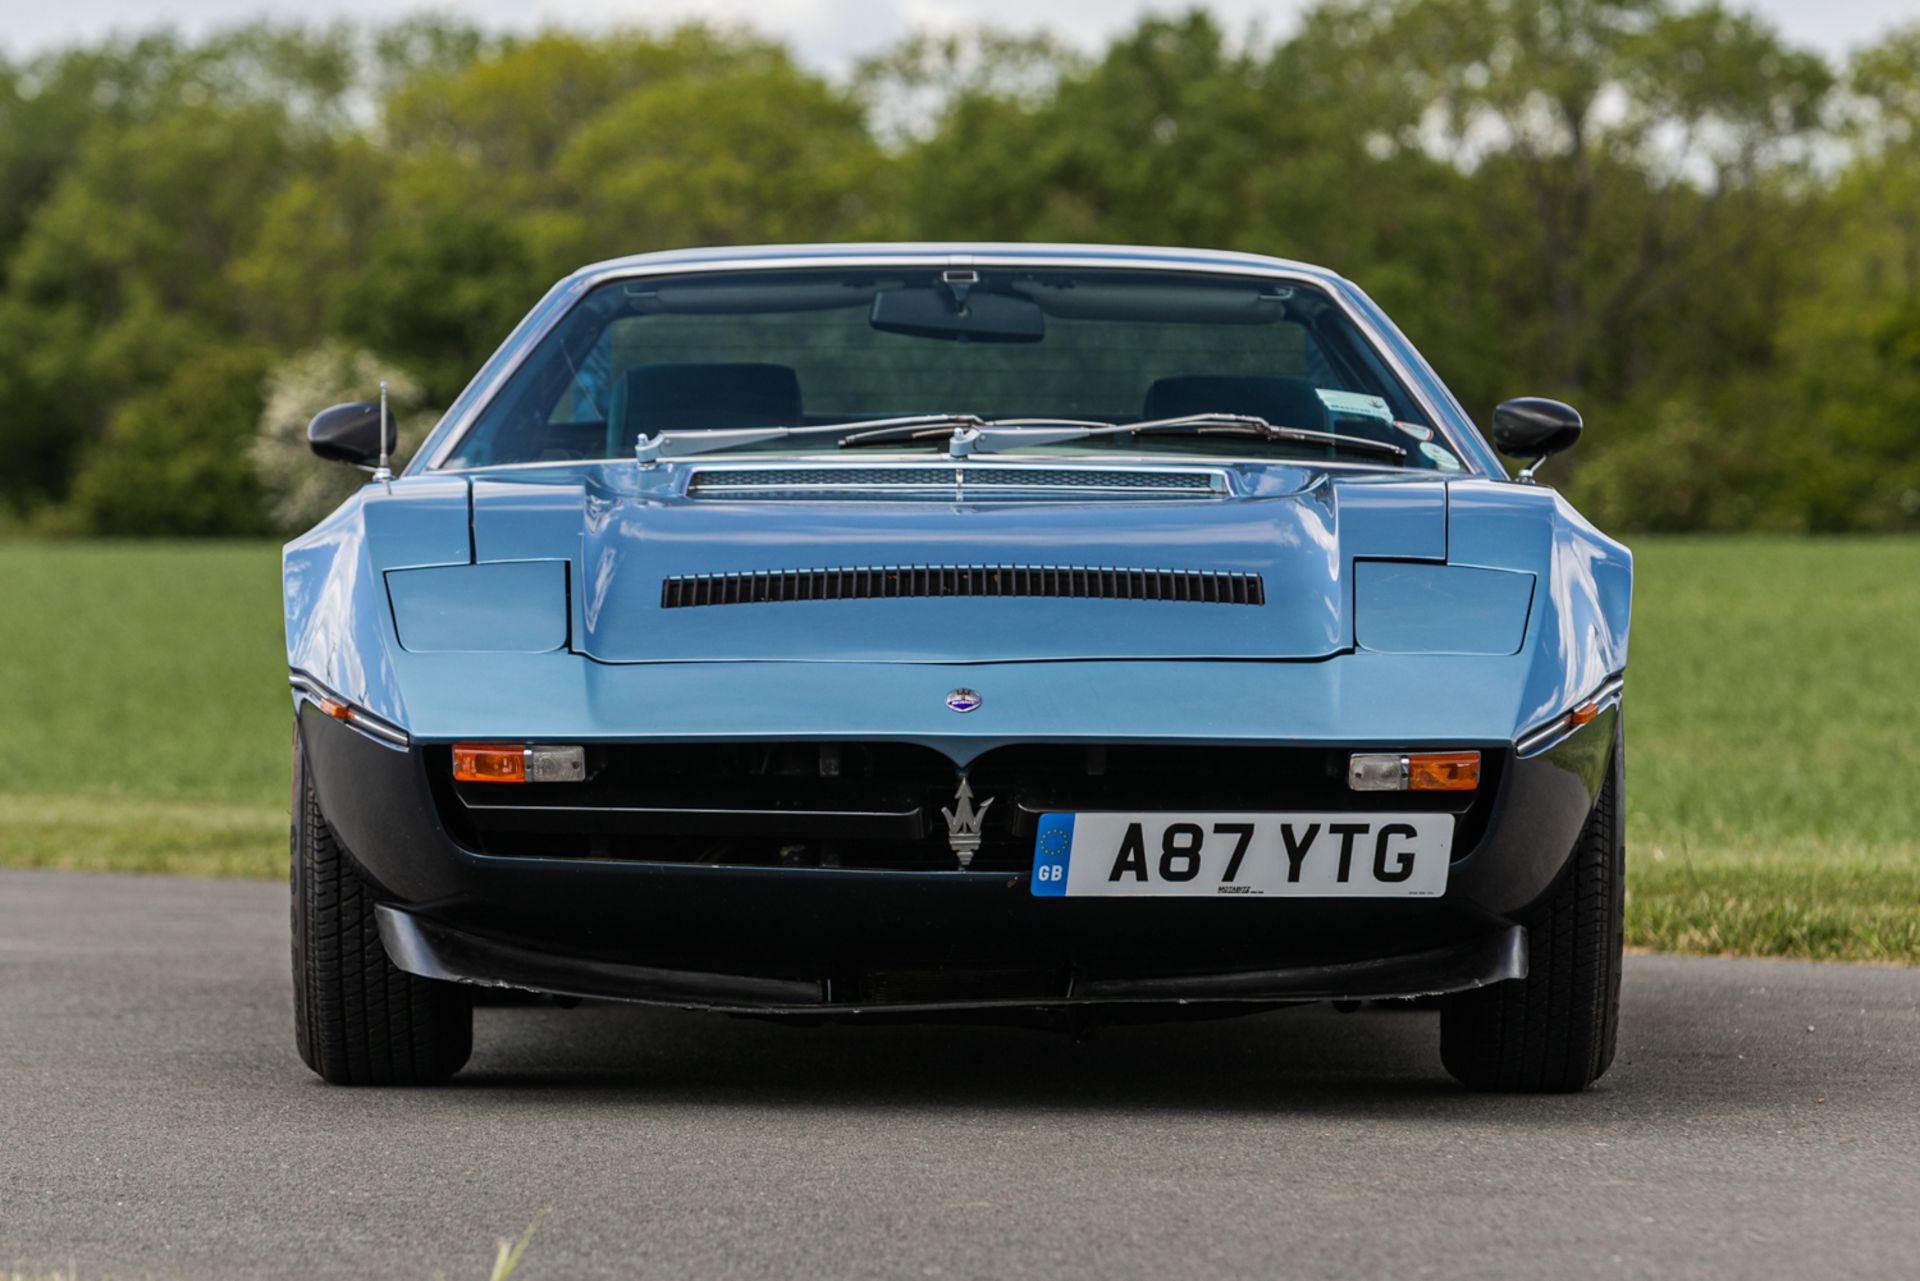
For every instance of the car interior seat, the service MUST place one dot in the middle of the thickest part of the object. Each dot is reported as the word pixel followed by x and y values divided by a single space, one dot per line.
pixel 1284 402
pixel 651 398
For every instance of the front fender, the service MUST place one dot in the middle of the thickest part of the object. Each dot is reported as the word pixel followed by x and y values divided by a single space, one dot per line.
pixel 1578 634
pixel 339 627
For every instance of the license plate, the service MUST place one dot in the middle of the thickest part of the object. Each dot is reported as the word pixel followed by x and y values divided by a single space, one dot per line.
pixel 1252 855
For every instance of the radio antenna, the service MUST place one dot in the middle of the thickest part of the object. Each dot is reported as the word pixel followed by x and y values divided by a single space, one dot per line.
pixel 382 472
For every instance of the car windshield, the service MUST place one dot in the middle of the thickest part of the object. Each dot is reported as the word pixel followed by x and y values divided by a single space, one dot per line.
pixel 815 351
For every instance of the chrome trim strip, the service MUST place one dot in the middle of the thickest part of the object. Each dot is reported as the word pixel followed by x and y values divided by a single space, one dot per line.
pixel 1328 283
pixel 1541 737
pixel 694 811
pixel 968 479
pixel 305 686
pixel 924 462
pixel 935 487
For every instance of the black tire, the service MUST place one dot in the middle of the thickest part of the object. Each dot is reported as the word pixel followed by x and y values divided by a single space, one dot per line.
pixel 1553 1032
pixel 357 1018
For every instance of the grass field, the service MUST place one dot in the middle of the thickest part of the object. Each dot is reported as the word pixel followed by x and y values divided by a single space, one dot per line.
pixel 1773 799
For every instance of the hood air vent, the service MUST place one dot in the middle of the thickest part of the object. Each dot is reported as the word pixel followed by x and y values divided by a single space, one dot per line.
pixel 1190 586
pixel 949 480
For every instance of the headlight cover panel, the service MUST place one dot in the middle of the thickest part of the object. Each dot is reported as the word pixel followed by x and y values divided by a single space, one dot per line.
pixel 1402 607
pixel 501 607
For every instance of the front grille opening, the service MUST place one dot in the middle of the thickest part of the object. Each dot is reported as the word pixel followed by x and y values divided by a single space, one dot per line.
pixel 877 805
pixel 886 582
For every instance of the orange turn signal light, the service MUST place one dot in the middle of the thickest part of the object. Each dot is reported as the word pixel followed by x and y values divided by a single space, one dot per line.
pixel 333 707
pixel 1583 713
pixel 489 763
pixel 1443 772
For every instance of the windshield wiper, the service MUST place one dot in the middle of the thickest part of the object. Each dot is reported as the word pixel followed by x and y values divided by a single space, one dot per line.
pixel 994 435
pixel 669 443
pixel 1251 425
pixel 968 434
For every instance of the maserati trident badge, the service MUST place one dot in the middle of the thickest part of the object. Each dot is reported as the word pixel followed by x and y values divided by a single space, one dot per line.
pixel 962 700
pixel 963 824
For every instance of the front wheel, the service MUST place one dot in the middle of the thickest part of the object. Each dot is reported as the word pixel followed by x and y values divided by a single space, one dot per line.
pixel 358 1018
pixel 1553 1031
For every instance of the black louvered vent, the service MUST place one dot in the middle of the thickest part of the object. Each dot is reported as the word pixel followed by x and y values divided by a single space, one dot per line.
pixel 1193 586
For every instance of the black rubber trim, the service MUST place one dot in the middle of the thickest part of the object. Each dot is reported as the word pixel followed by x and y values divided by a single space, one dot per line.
pixel 431 950
pixel 1459 967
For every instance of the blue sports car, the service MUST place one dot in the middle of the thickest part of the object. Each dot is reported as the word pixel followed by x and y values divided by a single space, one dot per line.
pixel 1008 631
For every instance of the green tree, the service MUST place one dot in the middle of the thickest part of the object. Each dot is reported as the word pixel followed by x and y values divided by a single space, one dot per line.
pixel 755 154
pixel 504 172
pixel 439 289
pixel 1850 345
pixel 1632 162
pixel 175 459
pixel 489 131
pixel 141 168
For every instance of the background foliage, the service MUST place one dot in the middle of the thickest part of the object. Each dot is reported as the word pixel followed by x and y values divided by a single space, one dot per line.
pixel 1707 239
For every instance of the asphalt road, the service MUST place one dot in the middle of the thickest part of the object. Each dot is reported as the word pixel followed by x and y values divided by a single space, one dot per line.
pixel 1764 1121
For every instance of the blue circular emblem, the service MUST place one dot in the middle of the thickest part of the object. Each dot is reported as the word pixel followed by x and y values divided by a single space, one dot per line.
pixel 962 700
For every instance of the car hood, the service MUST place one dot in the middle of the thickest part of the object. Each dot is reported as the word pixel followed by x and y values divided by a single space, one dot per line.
pixel 1296 529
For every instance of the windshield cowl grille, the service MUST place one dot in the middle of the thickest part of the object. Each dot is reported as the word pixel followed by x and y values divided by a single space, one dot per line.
pixel 883 582
pixel 955 480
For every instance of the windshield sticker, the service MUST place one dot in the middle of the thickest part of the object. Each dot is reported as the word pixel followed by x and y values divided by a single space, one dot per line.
pixel 1415 430
pixel 1356 403
pixel 1441 458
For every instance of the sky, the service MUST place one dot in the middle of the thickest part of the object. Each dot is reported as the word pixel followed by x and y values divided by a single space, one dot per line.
pixel 828 34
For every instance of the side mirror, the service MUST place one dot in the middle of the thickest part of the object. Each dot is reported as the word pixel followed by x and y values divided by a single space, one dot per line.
pixel 1532 427
pixel 350 434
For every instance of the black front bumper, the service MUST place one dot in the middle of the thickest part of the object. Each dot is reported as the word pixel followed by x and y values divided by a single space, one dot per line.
pixel 798 939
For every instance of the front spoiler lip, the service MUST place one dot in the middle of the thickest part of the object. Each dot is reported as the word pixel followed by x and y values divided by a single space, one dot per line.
pixel 431 950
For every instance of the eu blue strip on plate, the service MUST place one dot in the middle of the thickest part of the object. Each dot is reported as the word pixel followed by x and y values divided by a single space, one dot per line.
pixel 1052 847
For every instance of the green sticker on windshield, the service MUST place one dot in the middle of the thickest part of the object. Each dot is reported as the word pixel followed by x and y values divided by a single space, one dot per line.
pixel 1358 404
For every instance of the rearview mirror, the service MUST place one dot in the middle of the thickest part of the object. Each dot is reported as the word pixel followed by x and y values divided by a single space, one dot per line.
pixel 978 317
pixel 1533 427
pixel 350 434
